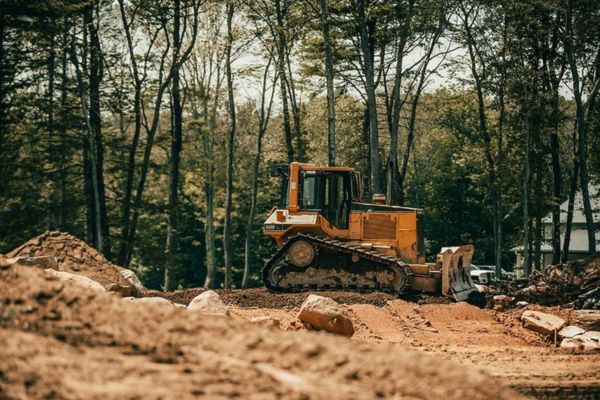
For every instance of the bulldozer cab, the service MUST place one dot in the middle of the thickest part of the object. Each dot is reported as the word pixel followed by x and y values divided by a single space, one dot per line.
pixel 327 192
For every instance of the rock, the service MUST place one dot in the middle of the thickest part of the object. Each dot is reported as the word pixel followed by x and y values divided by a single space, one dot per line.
pixel 588 319
pixel 209 302
pixel 79 280
pixel 138 289
pixel 591 335
pixel 177 305
pixel 121 290
pixel 266 321
pixel 152 300
pixel 540 322
pixel 581 342
pixel 522 303
pixel 570 331
pixel 323 313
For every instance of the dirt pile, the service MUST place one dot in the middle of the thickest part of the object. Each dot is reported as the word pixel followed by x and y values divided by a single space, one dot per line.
pixel 73 255
pixel 61 341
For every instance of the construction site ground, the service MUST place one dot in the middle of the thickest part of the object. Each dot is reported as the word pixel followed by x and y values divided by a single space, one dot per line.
pixel 476 338
pixel 63 341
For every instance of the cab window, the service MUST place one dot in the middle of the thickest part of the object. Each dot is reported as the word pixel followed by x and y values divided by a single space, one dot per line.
pixel 309 192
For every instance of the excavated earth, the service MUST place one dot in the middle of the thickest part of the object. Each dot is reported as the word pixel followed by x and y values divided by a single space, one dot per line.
pixel 59 340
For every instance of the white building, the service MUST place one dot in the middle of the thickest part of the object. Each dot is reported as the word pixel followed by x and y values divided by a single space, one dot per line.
pixel 578 245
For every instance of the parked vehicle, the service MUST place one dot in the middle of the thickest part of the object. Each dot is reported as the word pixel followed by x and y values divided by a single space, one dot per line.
pixel 481 275
pixel 506 275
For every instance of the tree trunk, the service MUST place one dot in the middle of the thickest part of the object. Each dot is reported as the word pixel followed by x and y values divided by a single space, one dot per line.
pixel 393 191
pixel 50 130
pixel 176 143
pixel 90 154
pixel 95 78
pixel 556 179
pixel 526 233
pixel 329 83
pixel 539 192
pixel 230 144
pixel 300 154
pixel 471 46
pixel 369 72
pixel 63 132
pixel 262 128
pixel 209 235
pixel 571 204
pixel 137 128
pixel 581 132
pixel 287 129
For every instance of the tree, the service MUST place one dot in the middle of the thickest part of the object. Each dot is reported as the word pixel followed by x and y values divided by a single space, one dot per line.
pixel 329 79
pixel 582 107
pixel 230 148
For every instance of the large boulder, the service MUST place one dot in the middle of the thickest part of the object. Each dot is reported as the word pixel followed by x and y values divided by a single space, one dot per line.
pixel 79 280
pixel 137 287
pixel 540 322
pixel 209 302
pixel 588 319
pixel 323 313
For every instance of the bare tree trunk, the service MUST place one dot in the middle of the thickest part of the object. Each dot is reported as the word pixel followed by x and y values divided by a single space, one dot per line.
pixel 137 128
pixel 289 79
pixel 571 204
pixel 63 131
pixel 230 144
pixel 91 153
pixel 95 78
pixel 369 72
pixel 581 131
pixel 50 130
pixel 176 144
pixel 394 194
pixel 556 180
pixel 539 192
pixel 281 67
pixel 471 46
pixel 163 82
pixel 526 217
pixel 211 257
pixel 413 112
pixel 329 83
pixel 262 128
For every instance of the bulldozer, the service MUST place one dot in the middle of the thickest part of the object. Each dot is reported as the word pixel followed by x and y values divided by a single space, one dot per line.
pixel 329 238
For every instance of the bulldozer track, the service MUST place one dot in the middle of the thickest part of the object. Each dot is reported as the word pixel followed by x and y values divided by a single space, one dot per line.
pixel 378 264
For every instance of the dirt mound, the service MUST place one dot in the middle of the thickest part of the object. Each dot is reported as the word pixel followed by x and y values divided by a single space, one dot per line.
pixel 73 255
pixel 184 296
pixel 61 341
pixel 262 298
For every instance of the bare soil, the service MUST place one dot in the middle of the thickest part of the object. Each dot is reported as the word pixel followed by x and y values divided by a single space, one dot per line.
pixel 61 341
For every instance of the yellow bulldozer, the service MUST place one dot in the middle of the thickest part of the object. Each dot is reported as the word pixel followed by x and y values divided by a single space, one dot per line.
pixel 330 239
